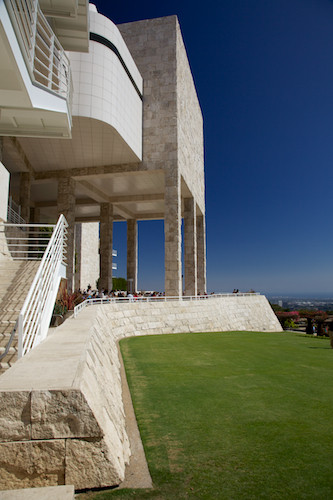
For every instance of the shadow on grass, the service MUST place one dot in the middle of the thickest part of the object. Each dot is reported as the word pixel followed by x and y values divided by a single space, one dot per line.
pixel 317 347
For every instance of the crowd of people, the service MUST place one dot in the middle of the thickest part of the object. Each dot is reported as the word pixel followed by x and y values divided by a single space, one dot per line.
pixel 89 293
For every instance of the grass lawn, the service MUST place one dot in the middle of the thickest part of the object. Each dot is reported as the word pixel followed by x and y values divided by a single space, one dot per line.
pixel 233 415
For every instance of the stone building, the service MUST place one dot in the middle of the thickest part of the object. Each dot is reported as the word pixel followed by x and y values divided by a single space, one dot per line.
pixel 103 124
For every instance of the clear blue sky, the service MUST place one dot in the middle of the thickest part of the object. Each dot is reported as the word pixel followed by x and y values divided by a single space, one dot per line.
pixel 263 70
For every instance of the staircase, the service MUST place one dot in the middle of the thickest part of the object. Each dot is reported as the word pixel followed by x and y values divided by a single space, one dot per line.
pixel 15 281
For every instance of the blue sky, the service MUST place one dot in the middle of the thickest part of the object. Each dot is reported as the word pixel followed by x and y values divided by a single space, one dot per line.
pixel 263 70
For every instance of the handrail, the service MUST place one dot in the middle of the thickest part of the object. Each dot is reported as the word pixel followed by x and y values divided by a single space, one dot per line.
pixel 10 341
pixel 33 320
pixel 163 298
pixel 26 241
pixel 44 56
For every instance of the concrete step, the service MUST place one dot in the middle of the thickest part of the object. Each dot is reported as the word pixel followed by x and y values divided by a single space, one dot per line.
pixel 46 493
pixel 3 368
pixel 7 328
pixel 4 339
pixel 9 360
pixel 12 350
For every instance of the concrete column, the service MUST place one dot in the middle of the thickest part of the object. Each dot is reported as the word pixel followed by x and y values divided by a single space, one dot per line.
pixel 106 234
pixel 132 255
pixel 25 188
pixel 201 254
pixel 86 254
pixel 66 206
pixel 190 246
pixel 172 233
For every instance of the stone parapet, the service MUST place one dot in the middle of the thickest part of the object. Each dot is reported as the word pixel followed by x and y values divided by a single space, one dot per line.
pixel 62 419
pixel 61 411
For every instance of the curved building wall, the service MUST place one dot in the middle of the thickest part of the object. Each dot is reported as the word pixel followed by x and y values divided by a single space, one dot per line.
pixel 107 83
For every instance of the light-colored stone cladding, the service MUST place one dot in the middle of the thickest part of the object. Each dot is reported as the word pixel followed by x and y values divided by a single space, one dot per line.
pixel 4 190
pixel 87 254
pixel 152 44
pixel 172 118
pixel 62 419
pixel 190 127
pixel 172 129
pixel 46 493
pixel 61 412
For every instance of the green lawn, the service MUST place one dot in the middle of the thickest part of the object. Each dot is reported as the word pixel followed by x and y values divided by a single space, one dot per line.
pixel 233 415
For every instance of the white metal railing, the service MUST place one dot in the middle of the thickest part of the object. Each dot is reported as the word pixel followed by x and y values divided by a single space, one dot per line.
pixel 113 300
pixel 35 315
pixel 34 318
pixel 14 216
pixel 45 58
pixel 27 241
pixel 14 212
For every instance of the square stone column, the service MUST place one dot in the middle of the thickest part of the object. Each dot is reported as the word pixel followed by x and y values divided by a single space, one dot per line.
pixel 172 233
pixel 66 206
pixel 201 254
pixel 78 255
pixel 87 258
pixel 25 187
pixel 190 246
pixel 132 255
pixel 106 237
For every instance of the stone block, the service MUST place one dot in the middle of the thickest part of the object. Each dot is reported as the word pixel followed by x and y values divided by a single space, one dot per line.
pixel 15 416
pixel 25 464
pixel 62 414
pixel 88 465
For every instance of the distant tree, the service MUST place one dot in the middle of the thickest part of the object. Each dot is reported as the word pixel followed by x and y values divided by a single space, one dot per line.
pixel 119 284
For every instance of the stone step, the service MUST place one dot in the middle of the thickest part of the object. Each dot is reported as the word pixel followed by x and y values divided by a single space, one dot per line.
pixel 50 493
pixel 12 350
pixel 15 281
pixel 4 367
pixel 7 327
pixel 4 339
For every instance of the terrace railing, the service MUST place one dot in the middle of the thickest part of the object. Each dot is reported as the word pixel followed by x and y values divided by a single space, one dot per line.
pixel 113 300
pixel 44 56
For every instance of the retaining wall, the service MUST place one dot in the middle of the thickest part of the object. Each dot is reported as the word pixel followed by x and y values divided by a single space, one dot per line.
pixel 61 411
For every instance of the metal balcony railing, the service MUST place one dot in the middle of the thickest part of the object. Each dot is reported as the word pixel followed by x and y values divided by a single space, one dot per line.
pixel 45 58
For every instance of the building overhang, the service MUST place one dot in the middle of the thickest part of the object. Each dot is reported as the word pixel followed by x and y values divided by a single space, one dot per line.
pixel 34 102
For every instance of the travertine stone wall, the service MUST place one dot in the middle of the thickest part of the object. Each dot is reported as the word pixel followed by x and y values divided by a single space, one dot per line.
pixel 230 313
pixel 87 254
pixel 106 241
pixel 66 206
pixel 172 130
pixel 62 419
pixel 152 44
pixel 190 127
pixel 172 118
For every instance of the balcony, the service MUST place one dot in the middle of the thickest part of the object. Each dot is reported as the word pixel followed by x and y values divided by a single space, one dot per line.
pixel 35 85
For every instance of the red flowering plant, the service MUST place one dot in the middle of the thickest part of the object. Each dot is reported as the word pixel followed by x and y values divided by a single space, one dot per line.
pixel 287 318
